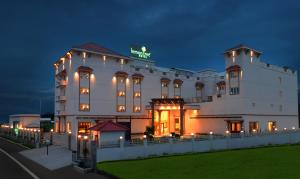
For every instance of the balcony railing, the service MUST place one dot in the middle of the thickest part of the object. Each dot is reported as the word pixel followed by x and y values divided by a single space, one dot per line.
pixel 199 99
pixel 63 83
pixel 61 98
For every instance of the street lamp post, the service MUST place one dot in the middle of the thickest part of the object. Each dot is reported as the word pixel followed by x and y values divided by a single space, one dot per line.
pixel 51 136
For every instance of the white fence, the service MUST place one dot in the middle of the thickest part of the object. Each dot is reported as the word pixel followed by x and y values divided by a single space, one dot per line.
pixel 194 144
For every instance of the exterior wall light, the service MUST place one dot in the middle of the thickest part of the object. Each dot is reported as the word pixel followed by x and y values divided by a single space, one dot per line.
pixel 51 130
pixel 227 132
pixel 192 134
pixel 293 128
pixel 79 136
pixel 85 137
pixel 275 129
pixel 121 137
pixel 143 136
pixel 70 132
pixel 211 133
pixel 284 128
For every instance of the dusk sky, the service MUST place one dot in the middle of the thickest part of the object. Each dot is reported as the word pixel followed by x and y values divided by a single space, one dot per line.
pixel 180 33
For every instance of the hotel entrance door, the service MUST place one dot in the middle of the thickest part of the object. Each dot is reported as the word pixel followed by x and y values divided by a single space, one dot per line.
pixel 162 123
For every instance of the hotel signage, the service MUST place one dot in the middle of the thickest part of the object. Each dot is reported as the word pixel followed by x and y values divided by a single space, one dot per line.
pixel 140 52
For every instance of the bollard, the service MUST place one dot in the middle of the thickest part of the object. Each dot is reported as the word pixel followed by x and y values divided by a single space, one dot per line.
pixel 145 141
pixel 121 142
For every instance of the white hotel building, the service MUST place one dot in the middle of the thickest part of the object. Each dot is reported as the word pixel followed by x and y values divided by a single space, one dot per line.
pixel 95 84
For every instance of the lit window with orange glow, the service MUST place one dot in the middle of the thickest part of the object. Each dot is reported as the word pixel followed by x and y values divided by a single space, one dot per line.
pixel 121 108
pixel 84 90
pixel 84 107
pixel 121 93
pixel 137 109
pixel 137 81
pixel 137 94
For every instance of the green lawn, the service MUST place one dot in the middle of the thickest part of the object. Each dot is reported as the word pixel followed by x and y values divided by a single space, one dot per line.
pixel 269 162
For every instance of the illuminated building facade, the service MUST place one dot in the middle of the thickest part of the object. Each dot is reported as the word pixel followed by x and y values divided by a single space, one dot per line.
pixel 95 84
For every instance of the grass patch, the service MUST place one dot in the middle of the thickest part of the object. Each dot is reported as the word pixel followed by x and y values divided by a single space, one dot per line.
pixel 268 162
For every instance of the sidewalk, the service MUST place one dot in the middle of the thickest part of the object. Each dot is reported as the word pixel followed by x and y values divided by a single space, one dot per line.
pixel 57 157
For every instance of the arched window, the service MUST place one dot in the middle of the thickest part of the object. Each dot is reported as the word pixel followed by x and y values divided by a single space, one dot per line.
pixel 177 88
pixel 84 87
pixel 221 88
pixel 137 92
pixel 121 91
pixel 199 89
pixel 165 87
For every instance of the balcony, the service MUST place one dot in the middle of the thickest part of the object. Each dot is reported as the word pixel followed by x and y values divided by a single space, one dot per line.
pixel 60 112
pixel 61 98
pixel 199 99
pixel 63 83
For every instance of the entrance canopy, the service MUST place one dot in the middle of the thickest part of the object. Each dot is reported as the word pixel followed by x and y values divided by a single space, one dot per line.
pixel 160 101
pixel 108 126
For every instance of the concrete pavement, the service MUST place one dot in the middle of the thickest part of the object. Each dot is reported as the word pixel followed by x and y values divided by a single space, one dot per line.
pixel 58 157
pixel 8 167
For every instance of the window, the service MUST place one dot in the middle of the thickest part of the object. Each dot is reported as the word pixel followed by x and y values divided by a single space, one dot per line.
pixel 164 84
pixel 271 126
pixel 137 109
pixel 84 90
pixel 164 87
pixel 137 94
pixel 69 129
pixel 137 81
pixel 121 93
pixel 233 74
pixel 176 85
pixel 234 91
pixel 121 108
pixel 84 107
pixel 164 73
pixel 253 127
pixel 84 75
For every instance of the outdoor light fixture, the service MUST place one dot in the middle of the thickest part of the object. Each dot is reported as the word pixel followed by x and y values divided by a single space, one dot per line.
pixel 293 128
pixel 227 132
pixel 70 132
pixel 85 137
pixel 275 129
pixel 170 135
pixel 121 137
pixel 145 136
pixel 242 131
pixel 51 130
pixel 284 128
pixel 79 136
pixel 211 132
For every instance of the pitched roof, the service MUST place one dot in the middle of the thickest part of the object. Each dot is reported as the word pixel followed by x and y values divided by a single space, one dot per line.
pixel 108 126
pixel 93 47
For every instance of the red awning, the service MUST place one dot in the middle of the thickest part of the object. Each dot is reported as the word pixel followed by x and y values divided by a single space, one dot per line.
pixel 108 126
